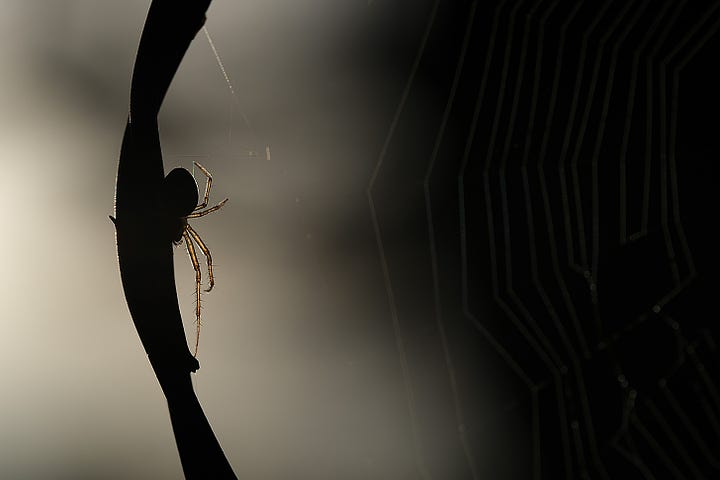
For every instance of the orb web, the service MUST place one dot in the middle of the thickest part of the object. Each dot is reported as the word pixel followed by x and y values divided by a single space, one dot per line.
pixel 555 129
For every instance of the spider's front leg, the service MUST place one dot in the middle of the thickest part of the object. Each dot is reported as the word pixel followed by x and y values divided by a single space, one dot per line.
pixel 196 212
pixel 208 186
pixel 196 266
pixel 209 210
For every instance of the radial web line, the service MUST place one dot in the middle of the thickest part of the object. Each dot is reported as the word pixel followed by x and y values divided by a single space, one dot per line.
pixel 680 284
pixel 552 239
pixel 531 237
pixel 554 255
pixel 645 212
pixel 673 139
pixel 504 354
pixel 660 452
pixel 580 138
pixel 557 361
pixel 566 145
pixel 219 61
pixel 593 277
pixel 598 143
pixel 590 275
pixel 249 150
pixel 532 341
pixel 624 226
pixel 504 198
pixel 678 445
pixel 459 416
pixel 397 328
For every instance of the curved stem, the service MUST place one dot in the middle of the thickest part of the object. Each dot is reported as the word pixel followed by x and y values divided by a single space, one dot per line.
pixel 144 248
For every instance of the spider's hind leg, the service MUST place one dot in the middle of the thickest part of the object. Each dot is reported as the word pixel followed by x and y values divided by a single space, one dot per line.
pixel 206 252
pixel 196 266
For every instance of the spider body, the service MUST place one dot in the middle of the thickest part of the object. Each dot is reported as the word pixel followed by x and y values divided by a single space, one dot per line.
pixel 178 199
pixel 179 193
pixel 179 202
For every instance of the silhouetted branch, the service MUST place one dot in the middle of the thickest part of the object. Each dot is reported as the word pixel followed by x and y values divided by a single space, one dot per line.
pixel 144 247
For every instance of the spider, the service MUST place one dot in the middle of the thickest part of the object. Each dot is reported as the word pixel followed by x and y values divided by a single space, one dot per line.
pixel 180 202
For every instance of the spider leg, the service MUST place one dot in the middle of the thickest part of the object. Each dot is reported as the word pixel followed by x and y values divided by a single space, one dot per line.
pixel 209 210
pixel 196 266
pixel 206 252
pixel 208 186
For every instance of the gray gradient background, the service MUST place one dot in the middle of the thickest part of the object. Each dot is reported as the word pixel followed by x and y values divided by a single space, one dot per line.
pixel 299 373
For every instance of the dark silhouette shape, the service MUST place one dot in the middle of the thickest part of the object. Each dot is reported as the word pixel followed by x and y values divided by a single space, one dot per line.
pixel 145 227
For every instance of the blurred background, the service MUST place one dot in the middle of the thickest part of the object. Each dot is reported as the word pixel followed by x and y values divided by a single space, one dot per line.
pixel 355 331
pixel 300 376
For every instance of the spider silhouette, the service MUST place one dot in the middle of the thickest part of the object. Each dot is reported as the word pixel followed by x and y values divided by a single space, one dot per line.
pixel 179 200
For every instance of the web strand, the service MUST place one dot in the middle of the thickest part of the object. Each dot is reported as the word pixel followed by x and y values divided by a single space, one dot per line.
pixel 252 151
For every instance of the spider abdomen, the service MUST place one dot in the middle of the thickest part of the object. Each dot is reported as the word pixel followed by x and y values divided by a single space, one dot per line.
pixel 180 193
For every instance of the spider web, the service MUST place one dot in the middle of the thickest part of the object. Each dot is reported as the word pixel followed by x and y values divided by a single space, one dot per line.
pixel 545 179
pixel 251 151
pixel 233 150
pixel 526 209
pixel 242 139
